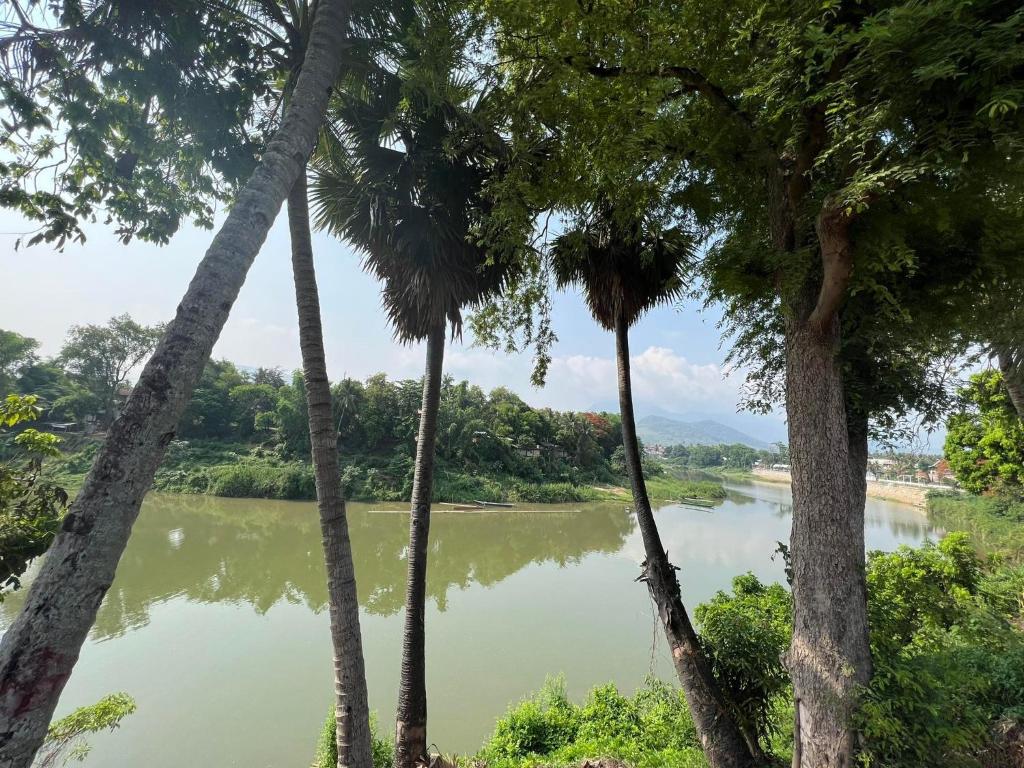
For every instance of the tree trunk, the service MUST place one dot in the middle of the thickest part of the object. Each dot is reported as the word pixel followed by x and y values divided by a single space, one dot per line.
pixel 1011 363
pixel 829 657
pixel 352 712
pixel 725 746
pixel 411 720
pixel 40 648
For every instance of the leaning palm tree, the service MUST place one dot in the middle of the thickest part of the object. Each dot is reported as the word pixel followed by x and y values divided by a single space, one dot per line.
pixel 40 648
pixel 626 267
pixel 400 175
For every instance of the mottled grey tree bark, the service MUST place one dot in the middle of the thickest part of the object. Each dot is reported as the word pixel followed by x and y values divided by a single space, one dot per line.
pixel 1011 363
pixel 725 746
pixel 352 710
pixel 40 648
pixel 829 658
pixel 411 719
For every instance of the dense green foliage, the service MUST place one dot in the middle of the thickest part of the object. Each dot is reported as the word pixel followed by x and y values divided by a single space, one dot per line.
pixel 946 644
pixel 651 729
pixel 949 657
pixel 743 633
pixel 31 507
pixel 66 738
pixel 995 523
pixel 727 455
pixel 90 377
pixel 985 441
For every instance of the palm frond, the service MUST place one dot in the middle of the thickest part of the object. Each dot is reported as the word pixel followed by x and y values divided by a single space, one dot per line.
pixel 623 263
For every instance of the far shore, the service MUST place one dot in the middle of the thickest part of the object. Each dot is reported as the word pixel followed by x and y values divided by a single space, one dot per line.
pixel 916 496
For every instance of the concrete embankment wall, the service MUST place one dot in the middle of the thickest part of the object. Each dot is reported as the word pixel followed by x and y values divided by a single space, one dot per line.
pixel 907 493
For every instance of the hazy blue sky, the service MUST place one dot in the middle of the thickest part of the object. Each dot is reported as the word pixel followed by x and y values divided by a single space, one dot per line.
pixel 677 359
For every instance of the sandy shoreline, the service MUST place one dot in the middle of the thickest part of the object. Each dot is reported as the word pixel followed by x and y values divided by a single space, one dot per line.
pixel 905 494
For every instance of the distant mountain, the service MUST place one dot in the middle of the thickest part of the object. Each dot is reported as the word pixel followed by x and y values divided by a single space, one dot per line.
pixel 662 430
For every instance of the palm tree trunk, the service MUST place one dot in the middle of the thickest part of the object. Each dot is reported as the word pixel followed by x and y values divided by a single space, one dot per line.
pixel 725 746
pixel 40 648
pixel 352 711
pixel 1011 363
pixel 411 720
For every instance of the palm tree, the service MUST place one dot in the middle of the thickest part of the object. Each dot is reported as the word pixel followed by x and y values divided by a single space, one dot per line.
pixel 287 26
pixel 401 177
pixel 625 267
pixel 39 650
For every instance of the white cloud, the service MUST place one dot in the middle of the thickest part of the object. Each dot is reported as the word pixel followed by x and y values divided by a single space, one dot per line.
pixel 659 375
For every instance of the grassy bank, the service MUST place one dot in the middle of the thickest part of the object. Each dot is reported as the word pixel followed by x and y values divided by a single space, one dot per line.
pixel 242 471
pixel 994 523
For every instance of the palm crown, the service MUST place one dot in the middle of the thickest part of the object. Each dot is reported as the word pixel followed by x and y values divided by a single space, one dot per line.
pixel 401 171
pixel 624 264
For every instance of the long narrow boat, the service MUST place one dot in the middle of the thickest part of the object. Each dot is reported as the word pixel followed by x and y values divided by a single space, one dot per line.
pixel 697 502
pixel 492 503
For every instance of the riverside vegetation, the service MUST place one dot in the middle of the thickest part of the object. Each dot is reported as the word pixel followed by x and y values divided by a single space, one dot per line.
pixel 244 434
pixel 948 650
pixel 848 172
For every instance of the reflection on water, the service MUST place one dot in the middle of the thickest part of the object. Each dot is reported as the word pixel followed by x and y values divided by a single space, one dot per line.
pixel 216 620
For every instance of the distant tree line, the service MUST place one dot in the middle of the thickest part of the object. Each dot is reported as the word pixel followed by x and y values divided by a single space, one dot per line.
pixel 729 455
pixel 495 433
pixel 88 378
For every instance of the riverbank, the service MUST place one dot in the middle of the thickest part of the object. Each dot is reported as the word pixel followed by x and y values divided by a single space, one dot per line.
pixel 995 524
pixel 212 468
pixel 905 493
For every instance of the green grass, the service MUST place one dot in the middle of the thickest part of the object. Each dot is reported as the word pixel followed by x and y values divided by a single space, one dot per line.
pixel 995 524
pixel 665 487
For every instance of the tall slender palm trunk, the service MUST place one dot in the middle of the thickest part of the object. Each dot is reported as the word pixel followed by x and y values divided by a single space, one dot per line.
pixel 39 650
pixel 352 712
pixel 411 720
pixel 725 746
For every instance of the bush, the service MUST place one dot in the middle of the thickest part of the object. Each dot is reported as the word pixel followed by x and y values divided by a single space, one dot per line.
pixel 326 755
pixel 652 728
pixel 745 634
pixel 995 523
pixel 260 480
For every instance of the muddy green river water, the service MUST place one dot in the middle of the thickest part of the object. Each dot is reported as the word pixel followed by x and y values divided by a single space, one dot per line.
pixel 217 621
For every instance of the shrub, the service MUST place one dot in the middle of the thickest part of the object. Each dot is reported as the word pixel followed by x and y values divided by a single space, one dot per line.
pixel 326 755
pixel 744 634
pixel 652 728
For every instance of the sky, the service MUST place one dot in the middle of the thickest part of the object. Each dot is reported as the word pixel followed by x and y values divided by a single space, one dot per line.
pixel 678 360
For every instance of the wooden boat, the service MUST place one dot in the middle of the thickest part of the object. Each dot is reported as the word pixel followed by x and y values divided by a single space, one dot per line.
pixel 698 502
pixel 492 503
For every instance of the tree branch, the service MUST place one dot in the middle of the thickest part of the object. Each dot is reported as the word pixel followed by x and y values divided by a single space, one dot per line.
pixel 833 228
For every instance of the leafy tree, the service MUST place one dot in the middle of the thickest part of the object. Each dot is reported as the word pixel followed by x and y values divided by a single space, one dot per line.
pixel 147 114
pixel 31 507
pixel 985 440
pixel 17 353
pixel 212 413
pixel 43 643
pixel 102 357
pixel 802 127
pixel 66 738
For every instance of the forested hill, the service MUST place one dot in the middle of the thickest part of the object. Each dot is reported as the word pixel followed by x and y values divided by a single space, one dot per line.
pixel 662 430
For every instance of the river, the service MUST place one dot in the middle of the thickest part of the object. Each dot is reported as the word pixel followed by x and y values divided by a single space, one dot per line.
pixel 217 622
